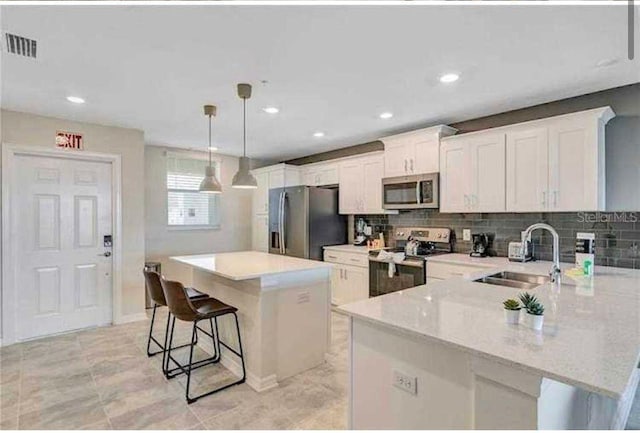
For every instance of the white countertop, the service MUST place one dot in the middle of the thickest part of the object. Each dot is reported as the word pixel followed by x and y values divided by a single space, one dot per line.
pixel 245 265
pixel 591 335
pixel 349 249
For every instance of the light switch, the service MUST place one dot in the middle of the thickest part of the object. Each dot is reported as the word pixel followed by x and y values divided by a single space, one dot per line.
pixel 466 234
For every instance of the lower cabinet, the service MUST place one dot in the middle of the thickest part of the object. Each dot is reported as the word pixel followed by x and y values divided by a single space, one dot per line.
pixel 349 282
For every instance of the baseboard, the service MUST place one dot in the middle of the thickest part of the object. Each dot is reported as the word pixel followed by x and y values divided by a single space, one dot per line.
pixel 130 318
pixel 255 382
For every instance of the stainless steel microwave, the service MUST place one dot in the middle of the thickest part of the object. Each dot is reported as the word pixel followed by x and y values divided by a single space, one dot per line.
pixel 410 192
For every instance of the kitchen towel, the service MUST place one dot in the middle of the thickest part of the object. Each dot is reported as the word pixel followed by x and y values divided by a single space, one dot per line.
pixel 392 258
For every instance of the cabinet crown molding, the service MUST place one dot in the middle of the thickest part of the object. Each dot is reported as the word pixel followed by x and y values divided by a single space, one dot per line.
pixel 439 130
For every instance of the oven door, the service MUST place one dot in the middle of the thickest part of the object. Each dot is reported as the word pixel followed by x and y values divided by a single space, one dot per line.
pixel 410 274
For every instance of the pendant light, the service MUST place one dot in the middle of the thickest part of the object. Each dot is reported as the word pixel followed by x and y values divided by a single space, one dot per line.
pixel 210 184
pixel 243 178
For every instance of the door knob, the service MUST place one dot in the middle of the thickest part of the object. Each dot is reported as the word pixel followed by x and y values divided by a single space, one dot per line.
pixel 106 254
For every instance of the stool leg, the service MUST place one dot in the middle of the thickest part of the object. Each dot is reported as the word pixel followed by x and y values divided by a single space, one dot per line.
pixel 216 352
pixel 168 351
pixel 153 319
pixel 244 372
pixel 166 344
pixel 193 343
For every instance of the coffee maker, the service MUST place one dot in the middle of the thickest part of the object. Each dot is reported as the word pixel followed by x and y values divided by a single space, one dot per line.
pixel 481 243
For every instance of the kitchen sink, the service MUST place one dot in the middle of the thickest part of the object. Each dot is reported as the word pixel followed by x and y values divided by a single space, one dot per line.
pixel 517 280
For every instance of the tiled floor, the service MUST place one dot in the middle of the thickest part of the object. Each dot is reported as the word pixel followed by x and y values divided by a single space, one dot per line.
pixel 102 379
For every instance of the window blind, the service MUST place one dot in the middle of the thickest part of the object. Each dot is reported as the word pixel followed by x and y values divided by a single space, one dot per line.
pixel 186 206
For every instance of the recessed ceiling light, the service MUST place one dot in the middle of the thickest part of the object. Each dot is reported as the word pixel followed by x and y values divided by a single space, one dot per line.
pixel 271 110
pixel 318 134
pixel 449 78
pixel 75 99
pixel 213 148
pixel 386 115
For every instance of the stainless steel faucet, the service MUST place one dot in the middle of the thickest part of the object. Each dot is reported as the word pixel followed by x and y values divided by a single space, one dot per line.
pixel 555 270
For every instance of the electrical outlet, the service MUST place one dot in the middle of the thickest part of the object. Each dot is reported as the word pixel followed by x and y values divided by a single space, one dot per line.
pixel 405 382
pixel 466 234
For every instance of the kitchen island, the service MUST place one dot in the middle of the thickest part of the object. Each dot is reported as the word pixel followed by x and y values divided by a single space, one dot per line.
pixel 441 355
pixel 283 306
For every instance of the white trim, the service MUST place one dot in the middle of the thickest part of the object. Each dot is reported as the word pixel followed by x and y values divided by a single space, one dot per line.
pixel 136 317
pixel 7 290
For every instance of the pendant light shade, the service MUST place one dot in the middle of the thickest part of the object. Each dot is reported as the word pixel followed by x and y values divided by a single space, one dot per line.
pixel 210 183
pixel 243 179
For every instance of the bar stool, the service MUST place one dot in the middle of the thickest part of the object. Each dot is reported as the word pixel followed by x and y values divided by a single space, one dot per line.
pixel 154 287
pixel 188 310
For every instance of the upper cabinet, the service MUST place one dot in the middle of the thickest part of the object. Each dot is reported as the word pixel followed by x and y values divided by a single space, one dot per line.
pixel 472 174
pixel 320 174
pixel 274 176
pixel 415 152
pixel 361 184
pixel 549 165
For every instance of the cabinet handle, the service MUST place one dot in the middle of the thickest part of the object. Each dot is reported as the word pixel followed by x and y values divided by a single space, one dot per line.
pixel 405 166
pixel 332 257
pixel 555 198
pixel 544 198
pixel 355 260
pixel 474 201
pixel 346 276
pixel 466 201
pixel 411 161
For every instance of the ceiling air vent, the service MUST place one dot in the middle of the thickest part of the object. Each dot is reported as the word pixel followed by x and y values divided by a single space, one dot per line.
pixel 20 45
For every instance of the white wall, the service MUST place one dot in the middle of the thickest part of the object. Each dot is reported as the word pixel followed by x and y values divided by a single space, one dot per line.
pixel 34 130
pixel 162 242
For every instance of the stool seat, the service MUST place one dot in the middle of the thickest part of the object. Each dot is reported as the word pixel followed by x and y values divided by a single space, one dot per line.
pixel 194 294
pixel 212 307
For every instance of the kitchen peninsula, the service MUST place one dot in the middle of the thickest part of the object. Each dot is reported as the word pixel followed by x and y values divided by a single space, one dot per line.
pixel 283 306
pixel 440 356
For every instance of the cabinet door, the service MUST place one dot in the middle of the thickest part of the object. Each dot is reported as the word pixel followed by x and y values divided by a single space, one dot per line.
pixel 356 283
pixel 351 187
pixel 261 194
pixel 276 179
pixel 396 158
pixel 372 171
pixel 337 292
pixel 260 233
pixel 427 157
pixel 311 177
pixel 488 183
pixel 328 174
pixel 573 166
pixel 454 177
pixel 527 170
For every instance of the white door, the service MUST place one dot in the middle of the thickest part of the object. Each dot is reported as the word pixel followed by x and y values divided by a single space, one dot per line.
pixel 61 211
pixel 573 166
pixel 372 171
pixel 527 170
pixel 351 185
pixel 454 177
pixel 396 158
pixel 356 284
pixel 488 185
pixel 427 156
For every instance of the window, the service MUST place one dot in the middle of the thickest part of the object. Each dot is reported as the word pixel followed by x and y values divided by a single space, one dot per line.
pixel 186 207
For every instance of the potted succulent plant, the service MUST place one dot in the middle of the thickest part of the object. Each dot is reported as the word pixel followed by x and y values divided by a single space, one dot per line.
pixel 535 315
pixel 511 311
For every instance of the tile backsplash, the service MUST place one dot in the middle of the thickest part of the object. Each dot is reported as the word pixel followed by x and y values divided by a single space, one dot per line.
pixel 617 233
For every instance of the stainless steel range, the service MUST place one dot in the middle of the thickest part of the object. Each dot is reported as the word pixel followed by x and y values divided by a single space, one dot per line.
pixel 417 244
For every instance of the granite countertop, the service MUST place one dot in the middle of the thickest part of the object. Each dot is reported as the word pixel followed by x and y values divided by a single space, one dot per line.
pixel 591 334
pixel 245 265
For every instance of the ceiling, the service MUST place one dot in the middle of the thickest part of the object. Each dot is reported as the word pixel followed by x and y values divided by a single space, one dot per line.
pixel 327 68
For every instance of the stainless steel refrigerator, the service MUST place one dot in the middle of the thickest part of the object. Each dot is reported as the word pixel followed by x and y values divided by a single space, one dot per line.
pixel 303 219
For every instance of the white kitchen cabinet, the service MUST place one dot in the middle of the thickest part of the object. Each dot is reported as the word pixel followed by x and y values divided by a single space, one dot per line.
pixel 321 174
pixel 472 173
pixel 361 185
pixel 557 164
pixel 261 195
pixel 527 169
pixel 548 165
pixel 260 234
pixel 349 277
pixel 415 152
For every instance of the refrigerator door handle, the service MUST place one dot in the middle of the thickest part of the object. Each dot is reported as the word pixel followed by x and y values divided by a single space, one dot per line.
pixel 282 222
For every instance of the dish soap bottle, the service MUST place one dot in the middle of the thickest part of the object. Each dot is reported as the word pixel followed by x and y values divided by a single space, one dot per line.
pixel 585 252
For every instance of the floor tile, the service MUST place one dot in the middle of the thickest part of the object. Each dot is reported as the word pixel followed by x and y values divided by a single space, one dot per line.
pixel 71 414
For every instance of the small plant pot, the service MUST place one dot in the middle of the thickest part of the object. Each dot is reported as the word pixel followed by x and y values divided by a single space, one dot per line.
pixel 512 317
pixel 534 322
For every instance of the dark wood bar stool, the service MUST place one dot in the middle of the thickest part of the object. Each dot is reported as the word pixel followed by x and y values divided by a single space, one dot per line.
pixel 154 288
pixel 188 310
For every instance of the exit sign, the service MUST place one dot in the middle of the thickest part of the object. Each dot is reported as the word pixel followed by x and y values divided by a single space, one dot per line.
pixel 69 140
